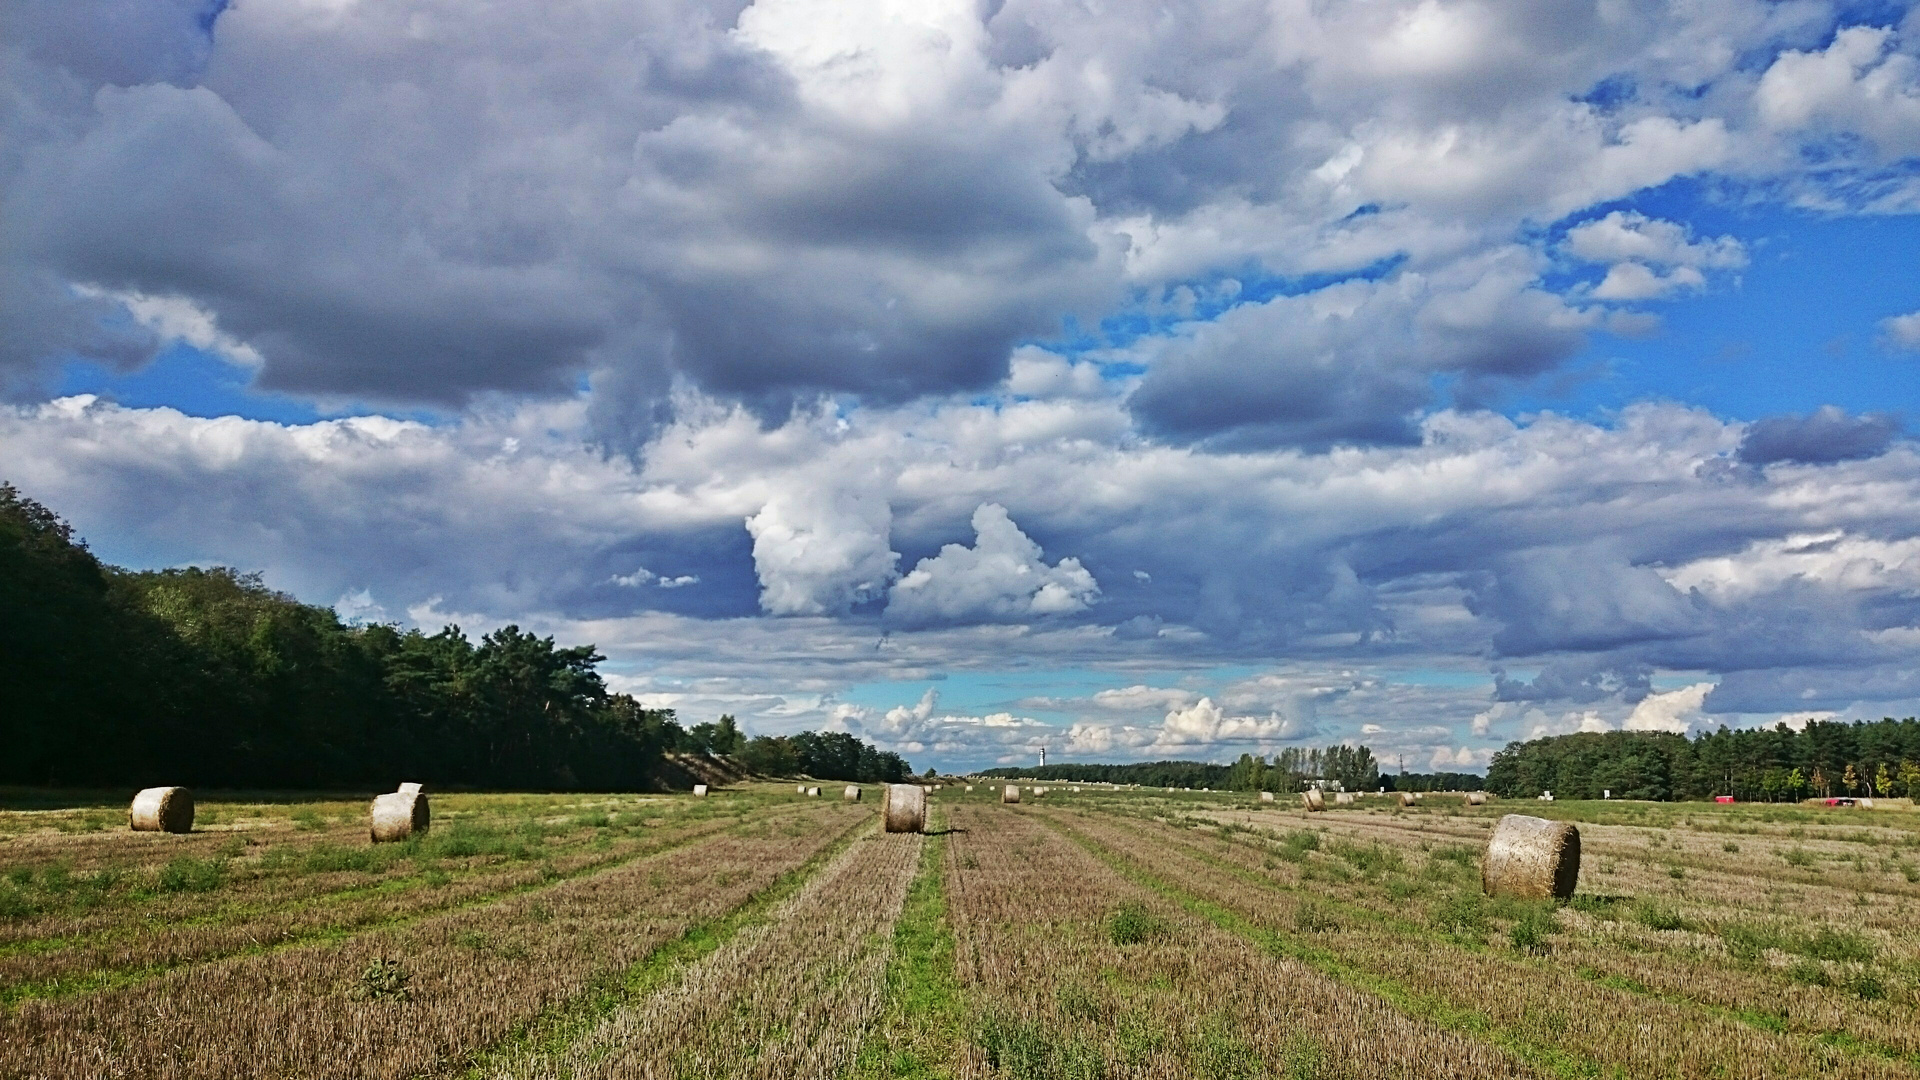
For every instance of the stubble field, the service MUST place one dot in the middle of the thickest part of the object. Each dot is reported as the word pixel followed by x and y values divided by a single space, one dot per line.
pixel 1085 934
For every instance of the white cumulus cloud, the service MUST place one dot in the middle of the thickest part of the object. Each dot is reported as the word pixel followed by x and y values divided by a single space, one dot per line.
pixel 820 552
pixel 1002 577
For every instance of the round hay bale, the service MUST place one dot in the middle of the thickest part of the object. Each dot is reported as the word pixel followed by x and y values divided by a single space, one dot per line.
pixel 813 793
pixel 1476 798
pixel 1010 793
pixel 799 789
pixel 1266 796
pixel 1343 798
pixel 852 793
pixel 969 787
pixel 1406 798
pixel 1531 857
pixel 1314 798
pixel 398 815
pixel 408 789
pixel 700 790
pixel 161 809
pixel 906 808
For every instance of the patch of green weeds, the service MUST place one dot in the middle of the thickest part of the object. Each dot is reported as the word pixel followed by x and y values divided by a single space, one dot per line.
pixel 383 979
pixel 1463 916
pixel 1654 915
pixel 1809 972
pixel 1844 946
pixel 1368 859
pixel 1311 918
pixel 1216 1053
pixel 1029 1050
pixel 1749 942
pixel 1295 846
pixel 1531 931
pixel 1133 924
pixel 1596 905
pixel 188 874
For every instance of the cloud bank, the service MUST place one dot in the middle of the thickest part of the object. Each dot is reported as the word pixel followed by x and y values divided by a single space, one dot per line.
pixel 785 349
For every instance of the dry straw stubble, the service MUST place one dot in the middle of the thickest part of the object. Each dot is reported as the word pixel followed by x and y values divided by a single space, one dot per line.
pixel 1532 858
pixel 162 809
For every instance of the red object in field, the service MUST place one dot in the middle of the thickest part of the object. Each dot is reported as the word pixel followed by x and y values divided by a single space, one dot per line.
pixel 1723 798
pixel 1839 802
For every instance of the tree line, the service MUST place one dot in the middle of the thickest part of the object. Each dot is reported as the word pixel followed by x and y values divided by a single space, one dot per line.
pixel 208 677
pixel 822 755
pixel 1824 759
pixel 1293 769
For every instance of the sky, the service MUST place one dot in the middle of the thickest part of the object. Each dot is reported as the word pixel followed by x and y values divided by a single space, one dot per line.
pixel 1129 380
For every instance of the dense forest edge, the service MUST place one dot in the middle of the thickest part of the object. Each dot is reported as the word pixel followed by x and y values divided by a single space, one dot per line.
pixel 1824 759
pixel 207 677
pixel 1353 768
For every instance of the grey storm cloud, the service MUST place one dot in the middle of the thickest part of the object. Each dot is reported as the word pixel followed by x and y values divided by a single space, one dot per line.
pixel 1825 435
pixel 813 273
pixel 431 202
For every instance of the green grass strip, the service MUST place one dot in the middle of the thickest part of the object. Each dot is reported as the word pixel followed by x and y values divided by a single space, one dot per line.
pixel 94 982
pixel 1431 1008
pixel 922 1033
pixel 553 1031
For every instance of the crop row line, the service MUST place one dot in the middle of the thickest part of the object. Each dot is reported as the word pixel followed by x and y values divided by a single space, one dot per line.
pixel 559 1027
pixel 1760 1021
pixel 1428 1007
pixel 67 986
pixel 920 1034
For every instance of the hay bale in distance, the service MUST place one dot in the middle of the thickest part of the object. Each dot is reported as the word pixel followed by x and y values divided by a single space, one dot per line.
pixel 1314 798
pixel 1406 798
pixel 1476 798
pixel 1531 857
pixel 700 790
pixel 408 789
pixel 813 793
pixel 1266 796
pixel 1343 798
pixel 906 808
pixel 399 815
pixel 1010 793
pixel 799 789
pixel 852 793
pixel 161 809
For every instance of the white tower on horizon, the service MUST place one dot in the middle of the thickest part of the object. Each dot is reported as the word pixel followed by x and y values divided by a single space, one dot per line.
pixel 1043 757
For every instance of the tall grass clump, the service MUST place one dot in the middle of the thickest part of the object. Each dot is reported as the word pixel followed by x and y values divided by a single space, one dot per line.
pixel 1133 924
pixel 188 874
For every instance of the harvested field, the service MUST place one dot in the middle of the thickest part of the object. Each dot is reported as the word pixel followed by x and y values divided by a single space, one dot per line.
pixel 1097 934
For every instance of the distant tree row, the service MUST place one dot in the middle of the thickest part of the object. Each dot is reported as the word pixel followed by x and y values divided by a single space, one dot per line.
pixel 208 677
pixel 1434 781
pixel 1353 767
pixel 1196 774
pixel 823 755
pixel 1824 759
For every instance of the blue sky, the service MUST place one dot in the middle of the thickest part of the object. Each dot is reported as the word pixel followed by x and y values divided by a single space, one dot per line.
pixel 1428 374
